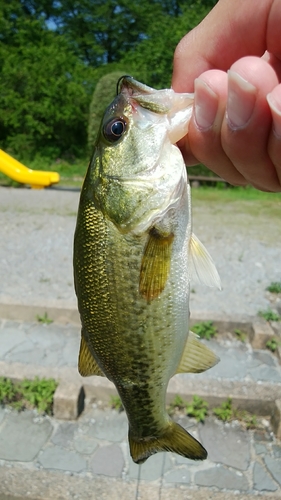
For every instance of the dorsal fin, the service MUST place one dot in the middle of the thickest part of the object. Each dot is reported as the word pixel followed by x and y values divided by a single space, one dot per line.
pixel 87 365
pixel 196 357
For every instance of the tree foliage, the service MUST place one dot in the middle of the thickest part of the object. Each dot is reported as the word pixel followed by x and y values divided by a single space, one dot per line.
pixel 44 92
pixel 151 61
pixel 54 52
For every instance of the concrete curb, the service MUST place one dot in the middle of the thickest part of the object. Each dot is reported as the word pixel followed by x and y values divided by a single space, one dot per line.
pixel 257 329
pixel 73 391
pixel 70 314
pixel 262 398
pixel 23 312
pixel 45 485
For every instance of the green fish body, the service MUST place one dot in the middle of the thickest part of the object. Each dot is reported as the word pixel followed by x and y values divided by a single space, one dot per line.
pixel 133 253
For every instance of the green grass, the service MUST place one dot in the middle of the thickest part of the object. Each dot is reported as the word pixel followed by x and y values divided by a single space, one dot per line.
pixel 45 320
pixel 37 393
pixel 269 315
pixel 226 413
pixel 274 287
pixel 116 403
pixel 205 330
pixel 240 335
pixel 197 408
pixel 231 193
pixel 177 404
pixel 73 171
pixel 247 202
pixel 272 344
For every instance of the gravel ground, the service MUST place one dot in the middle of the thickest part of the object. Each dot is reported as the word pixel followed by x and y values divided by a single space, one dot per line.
pixel 37 229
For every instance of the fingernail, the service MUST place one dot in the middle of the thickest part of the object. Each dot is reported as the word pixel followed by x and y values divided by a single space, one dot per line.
pixel 275 106
pixel 205 105
pixel 240 101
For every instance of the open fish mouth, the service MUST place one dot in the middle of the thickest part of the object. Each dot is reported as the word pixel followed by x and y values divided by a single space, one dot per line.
pixel 133 85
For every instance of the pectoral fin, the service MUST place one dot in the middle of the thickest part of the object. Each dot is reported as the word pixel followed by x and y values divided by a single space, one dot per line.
pixel 196 357
pixel 202 264
pixel 156 264
pixel 87 365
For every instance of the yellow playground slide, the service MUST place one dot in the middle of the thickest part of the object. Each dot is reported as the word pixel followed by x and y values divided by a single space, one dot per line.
pixel 18 172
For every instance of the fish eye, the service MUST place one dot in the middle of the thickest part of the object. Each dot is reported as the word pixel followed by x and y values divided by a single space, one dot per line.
pixel 114 129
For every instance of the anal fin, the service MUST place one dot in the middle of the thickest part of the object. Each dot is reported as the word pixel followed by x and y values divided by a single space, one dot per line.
pixel 87 365
pixel 196 357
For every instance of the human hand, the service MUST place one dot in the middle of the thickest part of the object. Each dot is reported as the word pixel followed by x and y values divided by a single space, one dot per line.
pixel 235 129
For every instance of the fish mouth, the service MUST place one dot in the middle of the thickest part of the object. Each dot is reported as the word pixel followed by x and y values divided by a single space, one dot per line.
pixel 132 86
pixel 143 95
pixel 158 101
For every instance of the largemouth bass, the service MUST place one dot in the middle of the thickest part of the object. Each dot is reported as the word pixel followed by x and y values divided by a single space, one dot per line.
pixel 133 255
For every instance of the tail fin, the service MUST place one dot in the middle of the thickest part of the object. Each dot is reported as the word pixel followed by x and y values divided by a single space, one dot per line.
pixel 175 438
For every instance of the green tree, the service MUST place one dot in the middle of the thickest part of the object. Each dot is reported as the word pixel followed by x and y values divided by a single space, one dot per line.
pixel 44 93
pixel 53 53
pixel 151 61
pixel 103 31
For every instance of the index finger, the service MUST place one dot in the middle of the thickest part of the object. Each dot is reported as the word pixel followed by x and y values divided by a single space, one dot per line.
pixel 230 31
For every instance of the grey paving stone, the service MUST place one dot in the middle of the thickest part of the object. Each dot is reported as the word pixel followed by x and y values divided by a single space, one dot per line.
pixel 10 338
pixel 26 353
pixel 56 457
pixel 276 417
pixel 227 445
pixel 265 373
pixel 181 475
pixel 69 354
pixel 260 448
pixel 179 460
pixel 12 325
pixel 262 436
pixel 51 357
pixel 263 357
pixel 85 444
pixel 83 436
pixel 2 415
pixel 262 480
pixel 274 467
pixel 184 421
pixel 111 426
pixel 64 434
pixel 47 335
pixel 221 477
pixel 108 461
pixel 21 438
pixel 276 450
pixel 233 363
pixel 152 469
